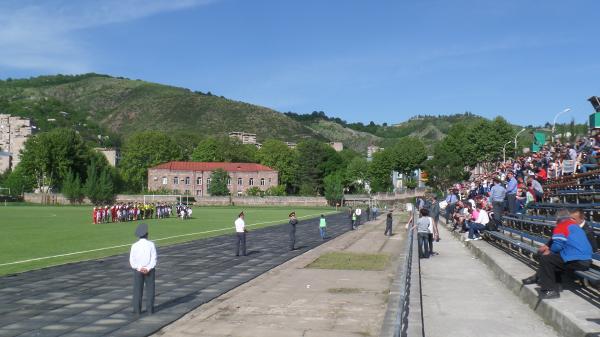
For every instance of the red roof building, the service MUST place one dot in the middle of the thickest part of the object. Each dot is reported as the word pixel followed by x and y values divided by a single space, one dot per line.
pixel 193 178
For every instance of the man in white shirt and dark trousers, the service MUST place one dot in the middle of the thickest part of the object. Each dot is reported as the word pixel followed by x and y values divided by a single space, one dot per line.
pixel 142 259
pixel 240 232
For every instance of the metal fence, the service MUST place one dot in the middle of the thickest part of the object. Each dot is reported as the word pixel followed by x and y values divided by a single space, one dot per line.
pixel 404 314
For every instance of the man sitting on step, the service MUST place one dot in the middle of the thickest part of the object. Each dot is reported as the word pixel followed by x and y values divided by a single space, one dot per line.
pixel 568 249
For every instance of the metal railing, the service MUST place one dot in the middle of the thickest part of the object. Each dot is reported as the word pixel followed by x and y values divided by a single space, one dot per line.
pixel 404 313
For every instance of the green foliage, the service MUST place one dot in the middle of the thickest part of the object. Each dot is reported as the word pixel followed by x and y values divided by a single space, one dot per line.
pixel 254 192
pixel 408 155
pixel 357 173
pixel 224 149
pixel 277 155
pixel 72 188
pixel 276 191
pixel 380 171
pixel 47 157
pixel 333 188
pixel 445 168
pixel 18 181
pixel 99 187
pixel 316 160
pixel 307 190
pixel 218 183
pixel 142 151
pixel 411 183
pixel 98 103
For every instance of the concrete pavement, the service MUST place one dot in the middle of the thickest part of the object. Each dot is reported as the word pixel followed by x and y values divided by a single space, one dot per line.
pixel 463 297
pixel 292 300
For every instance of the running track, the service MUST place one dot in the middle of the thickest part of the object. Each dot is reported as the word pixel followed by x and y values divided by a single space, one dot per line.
pixel 93 298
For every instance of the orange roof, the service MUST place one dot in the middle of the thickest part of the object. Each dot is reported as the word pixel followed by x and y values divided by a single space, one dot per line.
pixel 211 166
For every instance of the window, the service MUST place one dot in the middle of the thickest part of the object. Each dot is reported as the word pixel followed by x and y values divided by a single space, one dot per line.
pixel 187 192
pixel 269 181
pixel 199 181
pixel 240 181
pixel 175 191
pixel 187 180
pixel 199 193
pixel 155 178
pixel 262 181
pixel 251 182
pixel 207 182
pixel 239 193
pixel 175 180
pixel 165 180
pixel 228 181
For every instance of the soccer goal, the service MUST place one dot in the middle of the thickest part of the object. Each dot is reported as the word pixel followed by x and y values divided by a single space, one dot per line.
pixel 4 191
pixel 152 198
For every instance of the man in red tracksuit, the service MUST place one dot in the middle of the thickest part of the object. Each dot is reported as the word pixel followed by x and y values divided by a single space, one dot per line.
pixel 569 249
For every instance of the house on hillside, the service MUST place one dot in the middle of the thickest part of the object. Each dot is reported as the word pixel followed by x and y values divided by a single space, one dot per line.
pixel 193 178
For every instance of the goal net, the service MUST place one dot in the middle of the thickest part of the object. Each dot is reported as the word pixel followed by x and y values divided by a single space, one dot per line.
pixel 153 198
pixel 4 191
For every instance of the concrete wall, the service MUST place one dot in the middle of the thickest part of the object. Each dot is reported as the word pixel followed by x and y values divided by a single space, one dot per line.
pixel 59 199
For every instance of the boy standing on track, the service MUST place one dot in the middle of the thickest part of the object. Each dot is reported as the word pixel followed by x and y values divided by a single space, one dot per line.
pixel 323 227
pixel 293 223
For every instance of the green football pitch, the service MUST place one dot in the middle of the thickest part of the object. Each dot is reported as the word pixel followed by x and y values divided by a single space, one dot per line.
pixel 34 237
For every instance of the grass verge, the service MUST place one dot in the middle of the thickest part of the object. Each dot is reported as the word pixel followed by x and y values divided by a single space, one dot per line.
pixel 350 261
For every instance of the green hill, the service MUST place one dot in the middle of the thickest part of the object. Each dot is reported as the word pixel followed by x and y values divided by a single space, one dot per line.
pixel 107 109
pixel 103 105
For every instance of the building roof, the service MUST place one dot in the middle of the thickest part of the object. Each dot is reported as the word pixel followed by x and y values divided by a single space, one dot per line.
pixel 211 166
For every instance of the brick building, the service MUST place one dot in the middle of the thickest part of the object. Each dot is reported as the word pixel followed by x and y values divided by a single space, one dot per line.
pixel 193 178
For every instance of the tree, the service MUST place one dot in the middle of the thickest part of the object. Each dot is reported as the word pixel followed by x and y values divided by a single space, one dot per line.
pixel 18 181
pixel 408 153
pixel 380 171
pixel 357 172
pixel 277 155
pixel 316 160
pixel 106 187
pixel 333 188
pixel 218 183
pixel 142 151
pixel 224 149
pixel 47 157
pixel 92 186
pixel 72 189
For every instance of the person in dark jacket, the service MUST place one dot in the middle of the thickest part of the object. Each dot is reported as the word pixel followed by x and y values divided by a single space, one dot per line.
pixel 388 224
pixel 293 222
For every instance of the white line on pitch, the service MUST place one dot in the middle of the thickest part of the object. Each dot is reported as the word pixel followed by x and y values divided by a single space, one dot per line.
pixel 129 244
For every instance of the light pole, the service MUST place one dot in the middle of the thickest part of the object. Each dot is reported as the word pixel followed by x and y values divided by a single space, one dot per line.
pixel 504 151
pixel 554 122
pixel 517 135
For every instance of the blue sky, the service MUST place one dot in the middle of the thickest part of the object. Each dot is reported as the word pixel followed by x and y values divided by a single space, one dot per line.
pixel 360 60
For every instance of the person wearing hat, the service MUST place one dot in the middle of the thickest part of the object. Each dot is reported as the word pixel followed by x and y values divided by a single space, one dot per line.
pixel 142 259
pixel 293 223
pixel 240 232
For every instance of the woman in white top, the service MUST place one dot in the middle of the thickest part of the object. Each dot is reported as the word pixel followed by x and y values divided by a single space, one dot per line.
pixel 478 225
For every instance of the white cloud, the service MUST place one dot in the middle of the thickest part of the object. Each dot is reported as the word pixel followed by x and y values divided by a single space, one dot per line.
pixel 40 35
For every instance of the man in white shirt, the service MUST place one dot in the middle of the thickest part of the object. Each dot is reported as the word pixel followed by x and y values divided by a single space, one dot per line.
pixel 240 233
pixel 480 223
pixel 142 259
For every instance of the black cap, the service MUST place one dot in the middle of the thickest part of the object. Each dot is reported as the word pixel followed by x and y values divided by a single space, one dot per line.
pixel 141 230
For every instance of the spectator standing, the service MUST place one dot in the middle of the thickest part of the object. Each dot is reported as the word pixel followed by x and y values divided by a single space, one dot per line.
pixel 142 259
pixel 537 189
pixel 423 233
pixel 434 211
pixel 511 193
pixel 497 195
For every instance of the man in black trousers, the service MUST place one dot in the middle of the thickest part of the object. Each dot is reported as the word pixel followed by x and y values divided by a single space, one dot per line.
pixel 240 232
pixel 142 259
pixel 293 223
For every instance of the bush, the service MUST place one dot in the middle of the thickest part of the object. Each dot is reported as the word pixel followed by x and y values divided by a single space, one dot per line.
pixel 254 192
pixel 277 191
